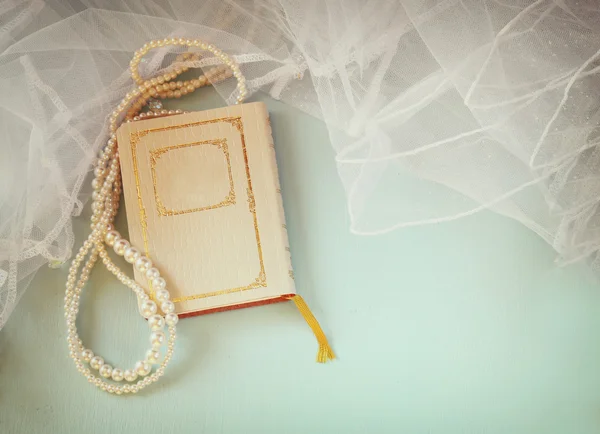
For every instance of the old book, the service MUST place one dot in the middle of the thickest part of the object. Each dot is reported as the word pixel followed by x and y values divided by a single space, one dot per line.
pixel 203 202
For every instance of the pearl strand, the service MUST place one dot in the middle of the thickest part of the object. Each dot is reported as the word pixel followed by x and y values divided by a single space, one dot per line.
pixel 227 61
pixel 107 190
pixel 164 87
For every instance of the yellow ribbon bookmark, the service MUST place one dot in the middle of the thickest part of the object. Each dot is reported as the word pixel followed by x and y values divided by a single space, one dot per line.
pixel 325 352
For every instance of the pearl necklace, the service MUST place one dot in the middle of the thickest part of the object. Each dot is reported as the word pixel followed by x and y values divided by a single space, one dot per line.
pixel 107 191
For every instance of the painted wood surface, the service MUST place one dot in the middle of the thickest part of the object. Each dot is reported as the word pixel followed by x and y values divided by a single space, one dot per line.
pixel 465 327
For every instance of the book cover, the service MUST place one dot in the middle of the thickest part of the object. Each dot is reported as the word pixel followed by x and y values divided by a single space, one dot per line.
pixel 203 202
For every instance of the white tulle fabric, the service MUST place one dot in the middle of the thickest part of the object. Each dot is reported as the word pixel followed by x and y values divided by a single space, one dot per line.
pixel 493 103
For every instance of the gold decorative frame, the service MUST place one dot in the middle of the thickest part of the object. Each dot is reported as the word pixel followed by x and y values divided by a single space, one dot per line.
pixel 157 153
pixel 136 136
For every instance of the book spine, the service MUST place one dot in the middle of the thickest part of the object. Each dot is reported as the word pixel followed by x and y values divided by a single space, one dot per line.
pixel 279 197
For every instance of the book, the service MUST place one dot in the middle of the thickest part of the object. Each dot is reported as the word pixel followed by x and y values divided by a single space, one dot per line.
pixel 204 204
pixel 203 201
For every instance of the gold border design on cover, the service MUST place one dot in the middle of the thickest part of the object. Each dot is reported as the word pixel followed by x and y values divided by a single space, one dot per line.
pixel 155 154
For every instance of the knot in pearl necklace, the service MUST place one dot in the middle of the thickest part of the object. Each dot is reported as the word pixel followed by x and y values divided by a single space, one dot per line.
pixel 107 190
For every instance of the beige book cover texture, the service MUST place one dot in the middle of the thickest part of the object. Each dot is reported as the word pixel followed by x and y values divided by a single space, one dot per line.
pixel 203 202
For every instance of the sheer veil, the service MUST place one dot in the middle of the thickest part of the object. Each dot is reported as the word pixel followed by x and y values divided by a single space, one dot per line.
pixel 495 103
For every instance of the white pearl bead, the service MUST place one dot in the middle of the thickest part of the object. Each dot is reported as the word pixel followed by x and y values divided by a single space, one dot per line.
pixel 143 368
pixel 96 362
pixel 156 322
pixel 117 374
pixel 106 370
pixel 120 246
pixel 143 264
pixel 167 307
pixel 162 295
pixel 152 274
pixel 131 255
pixel 157 339
pixel 171 319
pixel 153 356
pixel 158 283
pixel 130 375
pixel 87 355
pixel 111 237
pixel 148 308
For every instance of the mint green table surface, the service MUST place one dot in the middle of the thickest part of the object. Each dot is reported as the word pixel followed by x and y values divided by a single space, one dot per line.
pixel 464 327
